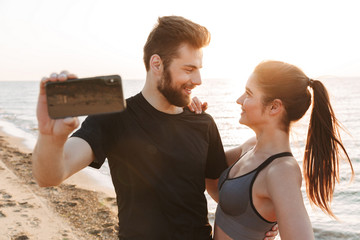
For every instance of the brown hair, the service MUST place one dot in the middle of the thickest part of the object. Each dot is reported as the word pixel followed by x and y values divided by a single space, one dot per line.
pixel 167 36
pixel 279 80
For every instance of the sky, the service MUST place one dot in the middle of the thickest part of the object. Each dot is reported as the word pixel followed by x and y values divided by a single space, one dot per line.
pixel 100 37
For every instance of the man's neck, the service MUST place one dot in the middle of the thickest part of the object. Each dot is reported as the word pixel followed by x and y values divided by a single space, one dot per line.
pixel 158 101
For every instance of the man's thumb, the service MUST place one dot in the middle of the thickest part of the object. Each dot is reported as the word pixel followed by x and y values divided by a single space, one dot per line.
pixel 71 122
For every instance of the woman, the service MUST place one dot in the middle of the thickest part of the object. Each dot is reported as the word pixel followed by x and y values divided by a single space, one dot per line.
pixel 263 185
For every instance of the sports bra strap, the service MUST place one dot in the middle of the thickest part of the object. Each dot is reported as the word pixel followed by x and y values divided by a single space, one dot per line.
pixel 272 158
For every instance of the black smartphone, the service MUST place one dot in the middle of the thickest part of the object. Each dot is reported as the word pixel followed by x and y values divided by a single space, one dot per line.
pixel 85 96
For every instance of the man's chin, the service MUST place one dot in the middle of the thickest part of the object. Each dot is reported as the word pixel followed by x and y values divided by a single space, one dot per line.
pixel 176 99
pixel 187 102
pixel 181 103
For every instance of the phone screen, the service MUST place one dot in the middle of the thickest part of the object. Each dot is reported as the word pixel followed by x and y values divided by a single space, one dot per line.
pixel 86 96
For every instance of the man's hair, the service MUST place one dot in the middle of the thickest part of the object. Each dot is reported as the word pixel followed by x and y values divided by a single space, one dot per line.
pixel 169 34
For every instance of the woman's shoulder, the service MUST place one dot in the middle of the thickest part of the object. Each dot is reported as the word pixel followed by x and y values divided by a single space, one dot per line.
pixel 284 168
pixel 249 144
pixel 232 155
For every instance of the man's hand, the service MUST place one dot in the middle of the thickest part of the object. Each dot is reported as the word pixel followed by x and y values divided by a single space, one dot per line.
pixel 271 235
pixel 55 157
pixel 197 106
pixel 61 128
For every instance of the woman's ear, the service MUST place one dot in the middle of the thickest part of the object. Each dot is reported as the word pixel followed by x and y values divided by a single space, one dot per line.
pixel 276 107
pixel 156 64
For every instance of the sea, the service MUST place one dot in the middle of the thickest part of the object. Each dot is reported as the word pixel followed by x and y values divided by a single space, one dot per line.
pixel 18 118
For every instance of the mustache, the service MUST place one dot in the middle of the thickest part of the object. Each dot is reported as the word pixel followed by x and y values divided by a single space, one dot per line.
pixel 189 85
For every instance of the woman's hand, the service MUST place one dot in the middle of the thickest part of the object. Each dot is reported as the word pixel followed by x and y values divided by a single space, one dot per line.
pixel 197 106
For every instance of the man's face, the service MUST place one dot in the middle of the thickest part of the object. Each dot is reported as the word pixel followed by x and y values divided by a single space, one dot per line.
pixel 181 76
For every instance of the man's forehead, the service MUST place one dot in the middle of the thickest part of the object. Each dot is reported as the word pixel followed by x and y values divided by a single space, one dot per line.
pixel 190 56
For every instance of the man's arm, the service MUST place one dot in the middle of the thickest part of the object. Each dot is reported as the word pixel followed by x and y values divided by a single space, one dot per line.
pixel 211 188
pixel 55 162
pixel 55 157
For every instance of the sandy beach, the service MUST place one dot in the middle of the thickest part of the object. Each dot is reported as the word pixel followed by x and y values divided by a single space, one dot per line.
pixel 75 209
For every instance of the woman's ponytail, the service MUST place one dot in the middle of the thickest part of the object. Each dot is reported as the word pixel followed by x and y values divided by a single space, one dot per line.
pixel 323 150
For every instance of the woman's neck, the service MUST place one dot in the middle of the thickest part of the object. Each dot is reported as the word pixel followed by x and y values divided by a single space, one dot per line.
pixel 272 141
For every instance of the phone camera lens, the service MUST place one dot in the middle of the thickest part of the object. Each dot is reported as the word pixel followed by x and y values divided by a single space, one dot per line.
pixel 111 81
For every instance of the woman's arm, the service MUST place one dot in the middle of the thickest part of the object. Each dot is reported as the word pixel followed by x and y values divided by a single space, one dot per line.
pixel 283 182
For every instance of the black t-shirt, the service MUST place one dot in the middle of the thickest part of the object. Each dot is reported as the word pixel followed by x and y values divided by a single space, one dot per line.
pixel 158 164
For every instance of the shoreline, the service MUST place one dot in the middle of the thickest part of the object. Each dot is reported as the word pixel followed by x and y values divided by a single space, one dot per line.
pixel 87 178
pixel 76 209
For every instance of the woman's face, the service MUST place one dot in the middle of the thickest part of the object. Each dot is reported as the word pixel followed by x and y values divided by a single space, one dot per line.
pixel 253 110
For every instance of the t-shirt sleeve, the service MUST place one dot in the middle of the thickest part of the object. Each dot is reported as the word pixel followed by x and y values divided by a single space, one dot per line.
pixel 216 160
pixel 92 131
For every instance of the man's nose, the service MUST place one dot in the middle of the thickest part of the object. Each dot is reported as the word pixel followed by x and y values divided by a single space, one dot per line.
pixel 196 78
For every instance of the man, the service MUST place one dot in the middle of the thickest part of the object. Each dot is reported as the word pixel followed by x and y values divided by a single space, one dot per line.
pixel 161 156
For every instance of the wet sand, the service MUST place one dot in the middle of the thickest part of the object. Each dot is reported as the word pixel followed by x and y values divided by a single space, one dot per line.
pixel 63 212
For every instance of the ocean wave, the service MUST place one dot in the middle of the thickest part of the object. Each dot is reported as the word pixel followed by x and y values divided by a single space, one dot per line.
pixel 13 130
pixel 321 234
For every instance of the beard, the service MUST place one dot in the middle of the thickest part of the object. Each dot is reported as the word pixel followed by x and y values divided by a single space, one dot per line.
pixel 175 96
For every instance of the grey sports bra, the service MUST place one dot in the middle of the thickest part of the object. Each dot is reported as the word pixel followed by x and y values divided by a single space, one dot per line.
pixel 235 213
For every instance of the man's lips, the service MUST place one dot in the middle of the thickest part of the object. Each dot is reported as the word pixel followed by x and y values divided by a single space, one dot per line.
pixel 188 90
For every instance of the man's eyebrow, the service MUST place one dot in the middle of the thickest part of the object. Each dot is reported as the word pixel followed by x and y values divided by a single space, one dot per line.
pixel 192 66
